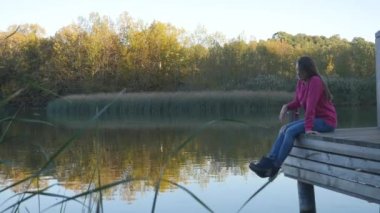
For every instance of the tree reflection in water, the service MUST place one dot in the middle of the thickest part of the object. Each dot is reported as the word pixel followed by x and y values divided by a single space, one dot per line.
pixel 215 153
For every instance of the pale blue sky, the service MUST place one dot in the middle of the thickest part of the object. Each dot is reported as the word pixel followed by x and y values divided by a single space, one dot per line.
pixel 258 19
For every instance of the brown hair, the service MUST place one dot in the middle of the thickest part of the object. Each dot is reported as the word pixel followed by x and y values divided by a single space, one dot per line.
pixel 308 69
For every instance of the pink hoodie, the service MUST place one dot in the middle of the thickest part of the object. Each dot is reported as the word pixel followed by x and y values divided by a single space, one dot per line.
pixel 311 96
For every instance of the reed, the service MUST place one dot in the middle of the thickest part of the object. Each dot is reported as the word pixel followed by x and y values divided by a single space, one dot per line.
pixel 353 91
pixel 167 105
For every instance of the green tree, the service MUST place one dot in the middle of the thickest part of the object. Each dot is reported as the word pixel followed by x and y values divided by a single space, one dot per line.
pixel 23 59
pixel 69 62
pixel 104 53
pixel 363 57
pixel 154 57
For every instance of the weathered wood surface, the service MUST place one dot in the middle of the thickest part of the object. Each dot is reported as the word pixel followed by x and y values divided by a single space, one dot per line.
pixel 366 137
pixel 361 191
pixel 357 164
pixel 377 56
pixel 346 161
pixel 348 174
pixel 350 150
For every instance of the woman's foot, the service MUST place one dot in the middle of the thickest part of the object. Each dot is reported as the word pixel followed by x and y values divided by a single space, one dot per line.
pixel 264 168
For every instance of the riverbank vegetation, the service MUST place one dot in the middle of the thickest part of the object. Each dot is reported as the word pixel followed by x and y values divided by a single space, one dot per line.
pixel 167 107
pixel 97 54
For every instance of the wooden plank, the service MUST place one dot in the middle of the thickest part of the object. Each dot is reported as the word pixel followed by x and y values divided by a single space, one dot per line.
pixel 377 58
pixel 343 149
pixel 362 191
pixel 369 136
pixel 357 129
pixel 347 131
pixel 334 171
pixel 357 164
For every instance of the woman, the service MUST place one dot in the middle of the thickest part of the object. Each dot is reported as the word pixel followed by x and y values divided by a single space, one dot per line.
pixel 313 95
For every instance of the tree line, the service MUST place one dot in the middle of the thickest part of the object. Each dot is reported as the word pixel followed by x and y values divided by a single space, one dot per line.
pixel 97 54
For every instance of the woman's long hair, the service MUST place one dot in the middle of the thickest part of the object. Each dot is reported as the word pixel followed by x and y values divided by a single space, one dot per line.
pixel 308 69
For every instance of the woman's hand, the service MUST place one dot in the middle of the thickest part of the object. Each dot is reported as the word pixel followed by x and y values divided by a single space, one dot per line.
pixel 283 111
pixel 311 132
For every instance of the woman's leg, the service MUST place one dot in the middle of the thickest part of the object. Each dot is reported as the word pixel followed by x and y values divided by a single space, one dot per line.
pixel 289 136
pixel 273 153
pixel 292 132
pixel 265 167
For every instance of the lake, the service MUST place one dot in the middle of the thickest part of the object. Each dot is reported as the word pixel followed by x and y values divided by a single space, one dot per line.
pixel 212 165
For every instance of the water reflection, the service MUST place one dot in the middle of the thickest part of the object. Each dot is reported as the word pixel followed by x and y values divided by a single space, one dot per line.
pixel 357 117
pixel 113 151
pixel 116 153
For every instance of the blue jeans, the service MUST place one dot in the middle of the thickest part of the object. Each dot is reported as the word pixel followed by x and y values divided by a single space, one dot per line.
pixel 284 142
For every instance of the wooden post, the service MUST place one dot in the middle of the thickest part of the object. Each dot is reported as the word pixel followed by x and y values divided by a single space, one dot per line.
pixel 377 43
pixel 306 197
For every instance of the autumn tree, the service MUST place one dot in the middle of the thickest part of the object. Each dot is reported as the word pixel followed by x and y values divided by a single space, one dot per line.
pixel 96 54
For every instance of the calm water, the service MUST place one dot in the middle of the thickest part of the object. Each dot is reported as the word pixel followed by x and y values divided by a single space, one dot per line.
pixel 213 166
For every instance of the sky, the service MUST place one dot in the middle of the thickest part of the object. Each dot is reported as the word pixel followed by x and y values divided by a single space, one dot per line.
pixel 250 19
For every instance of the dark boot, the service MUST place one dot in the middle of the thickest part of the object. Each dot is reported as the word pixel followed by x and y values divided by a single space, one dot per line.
pixel 274 171
pixel 264 168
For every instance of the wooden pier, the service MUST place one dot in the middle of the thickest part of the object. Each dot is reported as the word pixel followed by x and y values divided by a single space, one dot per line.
pixel 345 161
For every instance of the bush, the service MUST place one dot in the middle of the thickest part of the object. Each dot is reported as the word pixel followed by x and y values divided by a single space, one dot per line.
pixel 352 91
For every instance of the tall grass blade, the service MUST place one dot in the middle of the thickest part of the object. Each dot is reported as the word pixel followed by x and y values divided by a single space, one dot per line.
pixel 52 195
pixel 183 144
pixel 88 189
pixel 9 98
pixel 35 121
pixel 200 130
pixel 190 193
pixel 63 147
pixel 64 205
pixel 43 151
pixel 12 33
pixel 107 186
pixel 6 119
pixel 27 210
pixel 258 191
pixel 34 193
pixel 47 91
pixel 18 203
pixel 55 155
pixel 99 206
pixel 38 196
pixel 16 208
pixel 9 118
pixel 8 126
pixel 18 194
